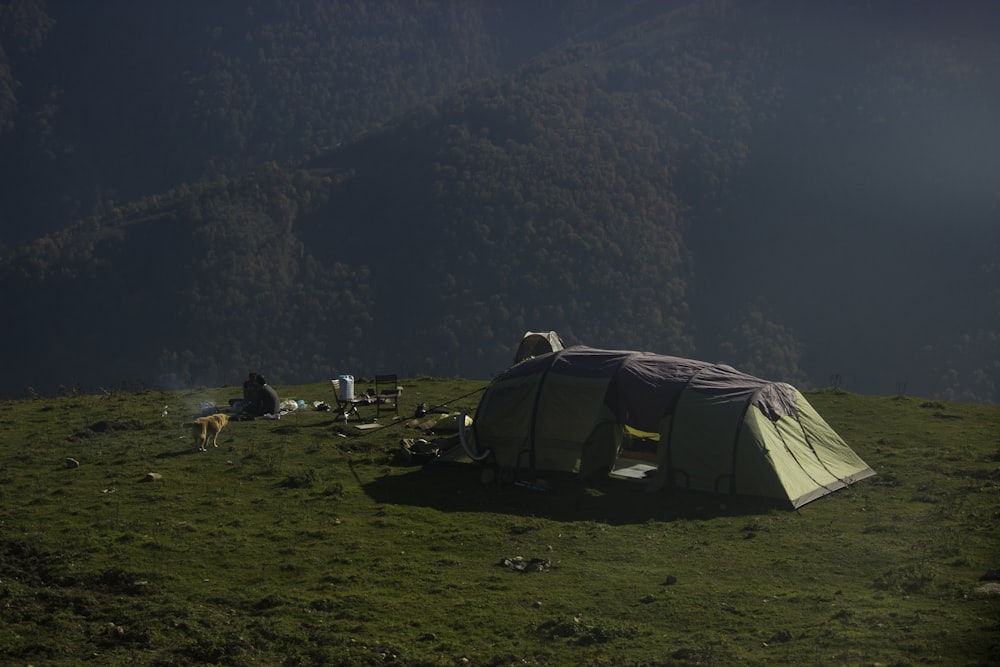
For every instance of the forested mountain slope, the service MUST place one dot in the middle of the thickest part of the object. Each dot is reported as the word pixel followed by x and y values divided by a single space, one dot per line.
pixel 104 105
pixel 664 177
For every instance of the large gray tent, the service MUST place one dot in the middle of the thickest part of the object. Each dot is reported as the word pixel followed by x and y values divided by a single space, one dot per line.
pixel 718 429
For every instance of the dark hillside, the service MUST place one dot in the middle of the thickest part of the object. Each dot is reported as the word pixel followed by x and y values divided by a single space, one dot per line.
pixel 111 105
pixel 707 179
pixel 877 182
pixel 430 245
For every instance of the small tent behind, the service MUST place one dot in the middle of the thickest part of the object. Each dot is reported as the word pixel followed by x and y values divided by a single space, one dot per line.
pixel 718 430
pixel 534 343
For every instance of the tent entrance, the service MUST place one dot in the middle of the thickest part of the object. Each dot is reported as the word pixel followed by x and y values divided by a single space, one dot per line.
pixel 637 457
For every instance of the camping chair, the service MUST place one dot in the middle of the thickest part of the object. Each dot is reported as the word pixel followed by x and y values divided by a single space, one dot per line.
pixel 387 390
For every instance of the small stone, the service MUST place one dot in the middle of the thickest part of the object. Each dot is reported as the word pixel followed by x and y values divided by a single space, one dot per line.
pixel 72 463
pixel 670 580
pixel 152 477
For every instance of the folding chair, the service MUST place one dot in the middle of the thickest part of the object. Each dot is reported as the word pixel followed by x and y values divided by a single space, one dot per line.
pixel 387 390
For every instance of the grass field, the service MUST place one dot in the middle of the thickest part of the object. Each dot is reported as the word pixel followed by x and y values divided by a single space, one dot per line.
pixel 305 542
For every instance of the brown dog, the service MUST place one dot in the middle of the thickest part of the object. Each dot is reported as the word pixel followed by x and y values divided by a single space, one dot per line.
pixel 203 427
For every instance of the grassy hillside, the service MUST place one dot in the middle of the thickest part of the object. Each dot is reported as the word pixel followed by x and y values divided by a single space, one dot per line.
pixel 304 541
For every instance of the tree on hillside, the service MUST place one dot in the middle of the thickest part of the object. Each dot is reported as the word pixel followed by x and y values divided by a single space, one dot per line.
pixel 763 347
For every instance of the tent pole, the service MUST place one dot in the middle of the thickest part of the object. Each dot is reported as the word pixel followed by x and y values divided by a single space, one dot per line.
pixel 465 445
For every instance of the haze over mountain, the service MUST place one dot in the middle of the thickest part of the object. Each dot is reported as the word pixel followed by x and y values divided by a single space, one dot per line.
pixel 809 193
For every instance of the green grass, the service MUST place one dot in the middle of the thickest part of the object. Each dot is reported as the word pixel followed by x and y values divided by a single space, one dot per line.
pixel 302 542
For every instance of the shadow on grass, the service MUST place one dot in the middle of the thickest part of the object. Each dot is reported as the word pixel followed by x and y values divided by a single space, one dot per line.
pixel 187 451
pixel 456 487
pixel 323 424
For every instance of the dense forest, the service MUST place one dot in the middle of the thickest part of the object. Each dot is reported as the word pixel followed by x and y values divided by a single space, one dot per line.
pixel 312 188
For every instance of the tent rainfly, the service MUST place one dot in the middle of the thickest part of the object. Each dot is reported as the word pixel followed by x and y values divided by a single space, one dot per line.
pixel 718 430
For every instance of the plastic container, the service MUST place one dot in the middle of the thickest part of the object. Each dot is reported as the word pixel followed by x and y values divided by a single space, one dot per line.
pixel 346 387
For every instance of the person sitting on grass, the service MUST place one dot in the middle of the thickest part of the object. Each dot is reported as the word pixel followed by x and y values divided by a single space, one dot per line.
pixel 260 398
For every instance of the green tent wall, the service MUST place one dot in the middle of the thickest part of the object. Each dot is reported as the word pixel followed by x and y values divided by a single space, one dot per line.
pixel 719 430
